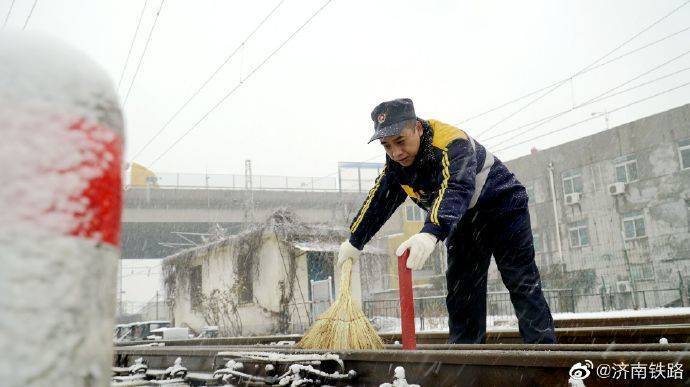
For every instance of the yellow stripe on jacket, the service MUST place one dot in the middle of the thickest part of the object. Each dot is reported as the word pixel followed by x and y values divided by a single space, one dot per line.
pixel 444 134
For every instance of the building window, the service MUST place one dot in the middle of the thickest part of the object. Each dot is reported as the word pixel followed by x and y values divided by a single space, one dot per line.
pixel 195 287
pixel 536 241
pixel 642 272
pixel 579 236
pixel 572 182
pixel 414 214
pixel 530 194
pixel 626 170
pixel 633 225
pixel 684 151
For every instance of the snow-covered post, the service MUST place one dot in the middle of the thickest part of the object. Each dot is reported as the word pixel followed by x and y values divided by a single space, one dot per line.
pixel 61 144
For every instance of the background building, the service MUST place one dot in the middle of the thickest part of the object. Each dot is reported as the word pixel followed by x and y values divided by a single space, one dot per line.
pixel 610 212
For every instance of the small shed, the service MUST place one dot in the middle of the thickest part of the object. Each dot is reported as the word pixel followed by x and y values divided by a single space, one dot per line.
pixel 272 278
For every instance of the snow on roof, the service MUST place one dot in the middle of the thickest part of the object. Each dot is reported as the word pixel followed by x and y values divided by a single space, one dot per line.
pixel 283 224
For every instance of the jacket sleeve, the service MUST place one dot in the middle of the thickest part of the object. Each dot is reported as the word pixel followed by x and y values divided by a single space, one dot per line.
pixel 458 170
pixel 383 198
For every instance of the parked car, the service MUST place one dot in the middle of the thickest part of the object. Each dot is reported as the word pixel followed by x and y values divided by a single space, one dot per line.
pixel 139 330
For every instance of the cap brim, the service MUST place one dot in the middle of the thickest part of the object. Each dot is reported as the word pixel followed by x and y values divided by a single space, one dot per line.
pixel 391 130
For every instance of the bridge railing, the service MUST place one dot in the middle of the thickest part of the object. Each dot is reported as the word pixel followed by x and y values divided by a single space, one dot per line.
pixel 258 182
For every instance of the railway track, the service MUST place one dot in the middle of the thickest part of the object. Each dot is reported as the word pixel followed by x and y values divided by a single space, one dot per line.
pixel 502 361
pixel 515 365
pixel 674 333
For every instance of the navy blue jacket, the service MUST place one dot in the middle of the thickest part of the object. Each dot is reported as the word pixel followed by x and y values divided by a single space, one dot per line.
pixel 451 174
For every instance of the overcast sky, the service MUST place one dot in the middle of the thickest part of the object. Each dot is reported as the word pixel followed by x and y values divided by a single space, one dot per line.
pixel 308 107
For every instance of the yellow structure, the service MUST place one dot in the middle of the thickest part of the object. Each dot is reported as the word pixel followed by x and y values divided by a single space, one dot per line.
pixel 141 176
pixel 413 221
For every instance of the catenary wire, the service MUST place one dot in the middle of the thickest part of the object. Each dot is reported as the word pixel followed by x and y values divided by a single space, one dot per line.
pixel 207 81
pixel 594 99
pixel 9 11
pixel 143 54
pixel 585 69
pixel 131 45
pixel 588 103
pixel 594 117
pixel 242 82
pixel 31 12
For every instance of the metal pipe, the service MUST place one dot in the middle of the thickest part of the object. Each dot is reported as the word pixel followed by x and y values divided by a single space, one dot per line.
pixel 555 213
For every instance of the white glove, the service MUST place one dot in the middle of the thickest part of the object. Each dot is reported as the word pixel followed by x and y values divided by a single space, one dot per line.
pixel 421 245
pixel 347 251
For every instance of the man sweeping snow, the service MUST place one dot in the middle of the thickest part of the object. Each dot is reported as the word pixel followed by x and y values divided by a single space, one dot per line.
pixel 474 204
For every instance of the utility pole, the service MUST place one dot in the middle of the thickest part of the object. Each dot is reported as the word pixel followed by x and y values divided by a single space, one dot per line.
pixel 249 203
pixel 605 113
pixel 156 304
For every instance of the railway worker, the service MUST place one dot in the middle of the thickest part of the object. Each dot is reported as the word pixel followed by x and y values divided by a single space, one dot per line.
pixel 473 203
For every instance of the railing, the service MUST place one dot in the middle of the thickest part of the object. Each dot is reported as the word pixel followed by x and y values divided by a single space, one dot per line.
pixel 258 182
pixel 431 312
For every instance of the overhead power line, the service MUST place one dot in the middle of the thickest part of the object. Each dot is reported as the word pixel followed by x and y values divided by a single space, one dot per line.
pixel 585 104
pixel 567 79
pixel 598 97
pixel 9 11
pixel 146 46
pixel 206 82
pixel 556 85
pixel 594 117
pixel 131 45
pixel 242 82
pixel 31 12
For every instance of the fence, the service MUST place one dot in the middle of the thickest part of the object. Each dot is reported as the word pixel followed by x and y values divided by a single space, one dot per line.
pixel 258 182
pixel 431 311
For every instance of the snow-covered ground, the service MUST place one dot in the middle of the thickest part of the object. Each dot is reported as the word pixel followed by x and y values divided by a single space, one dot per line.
pixel 624 313
pixel 440 324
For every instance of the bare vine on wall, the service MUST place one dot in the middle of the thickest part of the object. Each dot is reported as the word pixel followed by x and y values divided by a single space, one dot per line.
pixel 219 306
pixel 176 273
pixel 220 309
pixel 246 264
pixel 281 222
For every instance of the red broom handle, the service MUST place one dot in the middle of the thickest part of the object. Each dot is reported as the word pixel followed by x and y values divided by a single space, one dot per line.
pixel 406 302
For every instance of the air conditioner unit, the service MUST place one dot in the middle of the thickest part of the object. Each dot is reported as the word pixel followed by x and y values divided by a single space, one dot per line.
pixel 573 198
pixel 623 286
pixel 617 188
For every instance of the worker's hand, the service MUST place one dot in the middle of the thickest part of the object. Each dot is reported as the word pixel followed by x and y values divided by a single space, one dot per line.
pixel 347 251
pixel 421 245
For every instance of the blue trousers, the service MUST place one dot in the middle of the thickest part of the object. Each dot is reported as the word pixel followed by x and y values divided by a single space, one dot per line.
pixel 507 235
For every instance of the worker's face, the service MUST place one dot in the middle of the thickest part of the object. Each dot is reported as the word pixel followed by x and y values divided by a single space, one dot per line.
pixel 403 148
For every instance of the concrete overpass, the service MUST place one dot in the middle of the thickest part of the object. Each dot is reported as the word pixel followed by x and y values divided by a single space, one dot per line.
pixel 159 221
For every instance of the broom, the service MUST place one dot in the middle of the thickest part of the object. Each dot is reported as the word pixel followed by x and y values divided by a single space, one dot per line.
pixel 343 325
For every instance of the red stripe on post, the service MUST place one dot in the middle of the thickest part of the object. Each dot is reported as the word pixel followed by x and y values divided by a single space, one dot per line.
pixel 100 220
pixel 409 340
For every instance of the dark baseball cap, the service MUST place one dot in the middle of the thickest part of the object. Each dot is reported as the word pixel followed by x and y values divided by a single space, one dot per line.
pixel 391 117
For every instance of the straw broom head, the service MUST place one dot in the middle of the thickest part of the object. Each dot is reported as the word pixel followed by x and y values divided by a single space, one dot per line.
pixel 343 325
